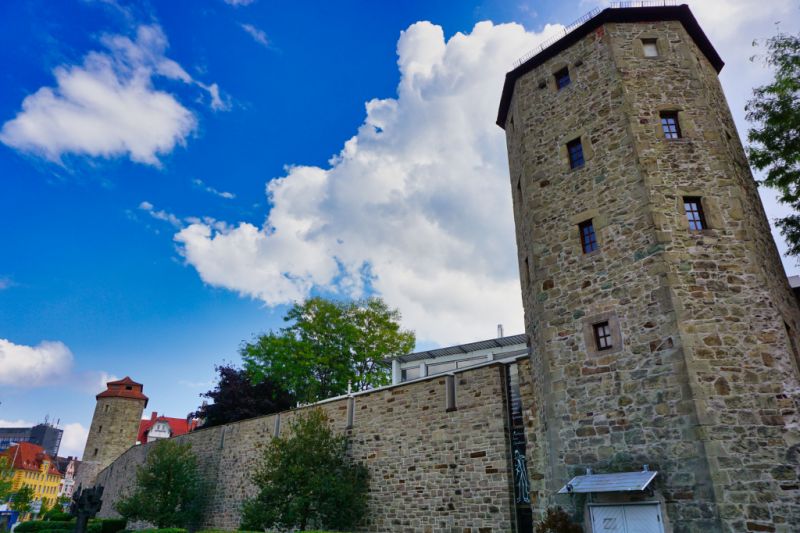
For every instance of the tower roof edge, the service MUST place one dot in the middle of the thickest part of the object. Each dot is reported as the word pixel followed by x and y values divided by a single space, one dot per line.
pixel 681 13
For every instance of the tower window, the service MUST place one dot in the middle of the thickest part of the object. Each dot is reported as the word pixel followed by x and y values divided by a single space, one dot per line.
pixel 99 429
pixel 588 236
pixel 105 408
pixel 670 124
pixel 575 152
pixel 602 336
pixel 95 453
pixel 694 213
pixel 562 78
pixel 650 47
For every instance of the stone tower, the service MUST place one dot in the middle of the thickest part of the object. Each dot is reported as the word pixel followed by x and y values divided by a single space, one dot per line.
pixel 115 425
pixel 663 329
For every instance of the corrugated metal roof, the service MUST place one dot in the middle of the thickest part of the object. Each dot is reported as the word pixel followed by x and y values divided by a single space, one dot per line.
pixel 619 482
pixel 500 342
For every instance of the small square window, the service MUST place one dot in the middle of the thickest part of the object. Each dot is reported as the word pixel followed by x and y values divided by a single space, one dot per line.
pixel 670 125
pixel 408 374
pixel 694 213
pixel 650 47
pixel 588 236
pixel 575 152
pixel 562 78
pixel 602 336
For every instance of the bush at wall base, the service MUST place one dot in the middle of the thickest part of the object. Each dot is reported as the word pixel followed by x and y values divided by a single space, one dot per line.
pixel 307 479
pixel 557 521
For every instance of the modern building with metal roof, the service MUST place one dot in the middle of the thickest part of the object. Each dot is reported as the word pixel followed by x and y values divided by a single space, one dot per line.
pixel 448 359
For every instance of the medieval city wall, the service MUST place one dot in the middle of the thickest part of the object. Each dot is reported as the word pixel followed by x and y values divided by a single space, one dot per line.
pixel 430 470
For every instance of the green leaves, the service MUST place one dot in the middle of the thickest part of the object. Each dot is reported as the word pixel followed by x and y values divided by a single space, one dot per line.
pixel 306 479
pixel 168 490
pixel 6 476
pixel 774 138
pixel 22 499
pixel 327 345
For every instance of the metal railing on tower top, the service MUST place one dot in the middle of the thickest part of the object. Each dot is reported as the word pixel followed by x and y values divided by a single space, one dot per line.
pixel 588 16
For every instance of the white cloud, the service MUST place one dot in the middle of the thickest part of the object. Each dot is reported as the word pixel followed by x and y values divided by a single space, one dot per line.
pixel 5 283
pixel 419 199
pixel 32 366
pixel 258 35
pixel 222 194
pixel 15 423
pixel 108 105
pixel 160 214
pixel 74 440
pixel 239 2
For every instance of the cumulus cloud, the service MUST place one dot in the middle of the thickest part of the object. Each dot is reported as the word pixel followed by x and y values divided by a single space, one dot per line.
pixel 258 35
pixel 32 366
pixel 108 106
pixel 15 423
pixel 73 440
pixel 417 206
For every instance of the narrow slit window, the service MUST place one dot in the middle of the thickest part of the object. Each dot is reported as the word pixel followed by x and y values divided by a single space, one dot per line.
pixel 694 213
pixel 602 336
pixel 588 236
pixel 575 152
pixel 670 125
pixel 562 78
pixel 650 47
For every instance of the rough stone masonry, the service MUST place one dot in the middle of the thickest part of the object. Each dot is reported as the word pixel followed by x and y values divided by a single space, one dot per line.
pixel 702 381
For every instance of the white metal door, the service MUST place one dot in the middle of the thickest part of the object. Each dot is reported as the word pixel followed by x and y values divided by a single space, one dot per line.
pixel 638 518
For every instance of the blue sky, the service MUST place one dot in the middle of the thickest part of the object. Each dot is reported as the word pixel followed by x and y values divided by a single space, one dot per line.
pixel 173 174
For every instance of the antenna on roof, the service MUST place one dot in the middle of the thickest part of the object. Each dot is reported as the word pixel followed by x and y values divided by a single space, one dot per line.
pixel 499 331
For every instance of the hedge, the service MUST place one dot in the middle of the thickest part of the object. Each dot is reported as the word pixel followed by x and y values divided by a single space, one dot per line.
pixel 36 526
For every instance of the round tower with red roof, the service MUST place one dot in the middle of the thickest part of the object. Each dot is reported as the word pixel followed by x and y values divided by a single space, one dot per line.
pixel 114 428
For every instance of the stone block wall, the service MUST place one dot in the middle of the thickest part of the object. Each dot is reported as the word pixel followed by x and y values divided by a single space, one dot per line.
pixel 700 382
pixel 430 470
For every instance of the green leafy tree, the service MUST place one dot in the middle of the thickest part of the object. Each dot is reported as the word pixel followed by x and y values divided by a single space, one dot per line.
pixel 327 345
pixel 23 499
pixel 305 479
pixel 168 491
pixel 6 478
pixel 774 138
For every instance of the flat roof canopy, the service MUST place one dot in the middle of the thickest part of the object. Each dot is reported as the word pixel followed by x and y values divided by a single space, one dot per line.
pixel 619 482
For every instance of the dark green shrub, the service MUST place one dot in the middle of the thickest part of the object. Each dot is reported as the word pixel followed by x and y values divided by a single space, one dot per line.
pixel 36 526
pixel 55 515
pixel 557 521
pixel 168 491
pixel 112 525
pixel 163 530
pixel 306 479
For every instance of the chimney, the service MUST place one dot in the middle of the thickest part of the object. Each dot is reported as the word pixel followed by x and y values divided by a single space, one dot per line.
pixel 499 331
pixel 153 415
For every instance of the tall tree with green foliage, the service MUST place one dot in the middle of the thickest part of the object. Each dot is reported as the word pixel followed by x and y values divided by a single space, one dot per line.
pixel 306 479
pixel 774 138
pixel 236 397
pixel 168 491
pixel 327 345
pixel 6 478
pixel 22 500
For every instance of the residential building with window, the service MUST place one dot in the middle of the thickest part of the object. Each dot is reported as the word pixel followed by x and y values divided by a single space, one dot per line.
pixel 68 466
pixel 163 427
pixel 32 466
pixel 448 359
